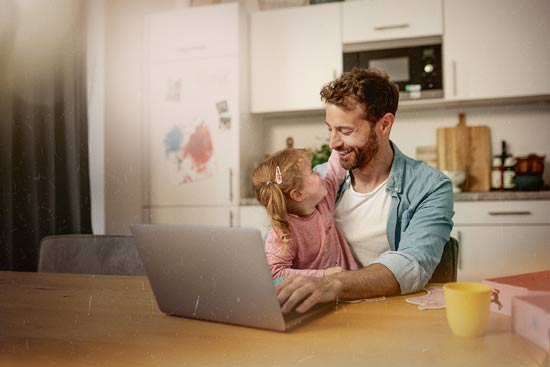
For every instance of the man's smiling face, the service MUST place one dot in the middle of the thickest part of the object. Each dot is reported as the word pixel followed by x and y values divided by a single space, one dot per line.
pixel 351 135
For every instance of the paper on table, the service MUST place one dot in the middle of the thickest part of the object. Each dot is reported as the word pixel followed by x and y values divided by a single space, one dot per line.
pixel 433 300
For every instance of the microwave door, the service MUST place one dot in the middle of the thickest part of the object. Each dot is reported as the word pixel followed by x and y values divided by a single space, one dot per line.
pixel 396 67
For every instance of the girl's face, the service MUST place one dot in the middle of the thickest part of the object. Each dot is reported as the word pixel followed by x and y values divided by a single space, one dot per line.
pixel 312 188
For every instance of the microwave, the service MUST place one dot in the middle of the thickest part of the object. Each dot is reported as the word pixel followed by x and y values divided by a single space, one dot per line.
pixel 416 68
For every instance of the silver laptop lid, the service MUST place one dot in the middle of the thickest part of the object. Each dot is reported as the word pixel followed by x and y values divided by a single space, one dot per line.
pixel 210 273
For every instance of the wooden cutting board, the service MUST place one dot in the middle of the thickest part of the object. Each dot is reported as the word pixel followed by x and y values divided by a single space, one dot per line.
pixel 466 148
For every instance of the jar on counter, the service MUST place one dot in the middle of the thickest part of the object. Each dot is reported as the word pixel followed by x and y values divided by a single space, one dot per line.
pixel 509 173
pixel 497 171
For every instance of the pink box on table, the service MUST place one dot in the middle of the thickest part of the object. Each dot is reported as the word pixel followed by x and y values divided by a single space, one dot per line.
pixel 531 319
pixel 507 287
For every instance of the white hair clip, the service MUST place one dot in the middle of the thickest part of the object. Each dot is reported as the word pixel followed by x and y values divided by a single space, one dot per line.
pixel 278 176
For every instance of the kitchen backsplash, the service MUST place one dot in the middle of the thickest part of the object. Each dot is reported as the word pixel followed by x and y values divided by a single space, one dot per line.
pixel 525 127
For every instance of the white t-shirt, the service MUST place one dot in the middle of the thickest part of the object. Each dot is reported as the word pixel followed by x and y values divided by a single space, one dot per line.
pixel 363 218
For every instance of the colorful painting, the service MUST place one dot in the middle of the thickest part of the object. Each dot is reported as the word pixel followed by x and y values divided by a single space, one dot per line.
pixel 191 153
pixel 191 118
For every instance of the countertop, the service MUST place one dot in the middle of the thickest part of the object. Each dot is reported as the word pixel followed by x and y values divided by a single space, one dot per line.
pixel 469 196
pixel 502 195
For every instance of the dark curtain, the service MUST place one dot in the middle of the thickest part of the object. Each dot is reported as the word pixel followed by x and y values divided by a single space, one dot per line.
pixel 44 176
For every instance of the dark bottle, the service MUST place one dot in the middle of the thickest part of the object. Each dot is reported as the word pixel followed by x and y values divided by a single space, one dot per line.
pixel 503 170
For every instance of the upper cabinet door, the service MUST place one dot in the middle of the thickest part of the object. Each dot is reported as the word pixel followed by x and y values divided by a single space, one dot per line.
pixel 496 48
pixel 381 20
pixel 193 33
pixel 294 51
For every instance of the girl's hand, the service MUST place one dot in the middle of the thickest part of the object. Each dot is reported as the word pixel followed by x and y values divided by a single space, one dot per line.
pixel 334 270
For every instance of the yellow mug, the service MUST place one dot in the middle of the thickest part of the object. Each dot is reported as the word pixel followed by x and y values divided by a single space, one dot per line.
pixel 467 307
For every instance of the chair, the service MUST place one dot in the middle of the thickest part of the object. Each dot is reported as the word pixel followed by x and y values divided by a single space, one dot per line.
pixel 447 268
pixel 90 254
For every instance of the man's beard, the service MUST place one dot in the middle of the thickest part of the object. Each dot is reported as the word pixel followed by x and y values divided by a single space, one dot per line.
pixel 362 156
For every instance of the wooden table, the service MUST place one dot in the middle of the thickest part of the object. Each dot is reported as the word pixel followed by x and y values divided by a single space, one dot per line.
pixel 84 320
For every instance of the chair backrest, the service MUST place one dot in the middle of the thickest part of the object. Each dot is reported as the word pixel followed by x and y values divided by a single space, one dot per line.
pixel 446 270
pixel 90 254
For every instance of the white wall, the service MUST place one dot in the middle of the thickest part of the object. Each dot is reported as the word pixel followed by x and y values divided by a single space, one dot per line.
pixel 525 127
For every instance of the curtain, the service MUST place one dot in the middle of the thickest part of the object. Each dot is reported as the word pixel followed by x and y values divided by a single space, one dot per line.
pixel 44 176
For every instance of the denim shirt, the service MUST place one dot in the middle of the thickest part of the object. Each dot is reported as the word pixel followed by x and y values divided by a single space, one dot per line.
pixel 419 221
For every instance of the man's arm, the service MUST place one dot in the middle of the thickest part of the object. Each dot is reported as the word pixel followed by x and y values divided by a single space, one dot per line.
pixel 424 232
pixel 372 281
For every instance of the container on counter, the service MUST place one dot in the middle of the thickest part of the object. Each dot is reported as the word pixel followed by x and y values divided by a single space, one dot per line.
pixel 529 170
pixel 532 165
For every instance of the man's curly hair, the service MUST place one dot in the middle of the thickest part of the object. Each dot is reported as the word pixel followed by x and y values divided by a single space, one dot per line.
pixel 370 88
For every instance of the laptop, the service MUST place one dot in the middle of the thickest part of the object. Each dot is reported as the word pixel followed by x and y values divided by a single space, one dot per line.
pixel 214 273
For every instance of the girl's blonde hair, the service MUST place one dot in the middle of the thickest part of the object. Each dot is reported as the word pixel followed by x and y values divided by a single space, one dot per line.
pixel 273 190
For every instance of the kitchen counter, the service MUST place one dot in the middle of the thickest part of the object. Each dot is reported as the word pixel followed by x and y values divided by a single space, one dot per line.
pixel 469 196
pixel 502 195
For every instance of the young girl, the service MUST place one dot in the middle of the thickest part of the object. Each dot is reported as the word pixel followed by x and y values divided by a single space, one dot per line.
pixel 304 238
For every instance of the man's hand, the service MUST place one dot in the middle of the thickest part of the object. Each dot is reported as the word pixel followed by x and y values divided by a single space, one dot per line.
pixel 374 280
pixel 295 289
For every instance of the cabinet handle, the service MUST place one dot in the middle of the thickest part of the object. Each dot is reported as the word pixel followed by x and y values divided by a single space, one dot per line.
pixel 230 218
pixel 231 185
pixel 392 26
pixel 511 213
pixel 459 239
pixel 334 74
pixel 455 88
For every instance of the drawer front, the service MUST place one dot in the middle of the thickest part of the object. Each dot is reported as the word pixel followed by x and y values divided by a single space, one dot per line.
pixel 502 212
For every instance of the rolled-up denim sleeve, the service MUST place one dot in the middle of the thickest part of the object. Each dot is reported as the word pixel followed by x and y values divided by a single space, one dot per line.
pixel 422 240
pixel 406 269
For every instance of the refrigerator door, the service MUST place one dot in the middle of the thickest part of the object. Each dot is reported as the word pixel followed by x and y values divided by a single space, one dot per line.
pixel 193 132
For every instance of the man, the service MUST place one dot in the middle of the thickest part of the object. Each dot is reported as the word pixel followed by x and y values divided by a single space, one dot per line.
pixel 395 212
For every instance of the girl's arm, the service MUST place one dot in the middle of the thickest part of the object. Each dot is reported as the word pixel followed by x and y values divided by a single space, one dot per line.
pixel 280 263
pixel 334 176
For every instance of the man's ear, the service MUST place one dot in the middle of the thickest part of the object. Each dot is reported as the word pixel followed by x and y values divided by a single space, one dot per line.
pixel 386 123
pixel 296 195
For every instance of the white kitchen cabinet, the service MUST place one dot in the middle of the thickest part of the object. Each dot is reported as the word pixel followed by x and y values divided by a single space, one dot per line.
pixel 254 216
pixel 381 20
pixel 496 48
pixel 499 238
pixel 294 51
pixel 196 85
